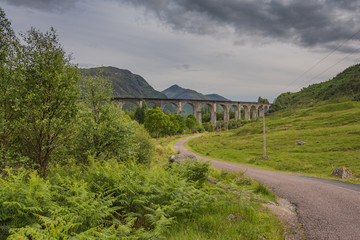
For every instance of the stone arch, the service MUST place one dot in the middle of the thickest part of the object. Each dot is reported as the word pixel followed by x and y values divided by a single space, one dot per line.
pixel 247 112
pixel 261 111
pixel 187 108
pixel 254 112
pixel 236 108
pixel 171 107
pixel 212 111
pixel 153 104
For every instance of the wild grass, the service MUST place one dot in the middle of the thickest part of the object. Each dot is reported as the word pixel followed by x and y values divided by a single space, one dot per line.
pixel 331 133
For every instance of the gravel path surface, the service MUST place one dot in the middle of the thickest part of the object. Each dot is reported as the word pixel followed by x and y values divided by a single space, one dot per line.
pixel 328 209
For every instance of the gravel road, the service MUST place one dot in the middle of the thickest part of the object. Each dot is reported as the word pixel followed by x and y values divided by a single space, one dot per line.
pixel 327 209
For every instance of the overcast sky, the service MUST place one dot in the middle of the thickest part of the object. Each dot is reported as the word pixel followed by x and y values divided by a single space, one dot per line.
pixel 240 49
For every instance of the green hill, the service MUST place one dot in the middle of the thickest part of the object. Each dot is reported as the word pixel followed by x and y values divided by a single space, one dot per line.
pixel 175 91
pixel 331 134
pixel 344 87
pixel 125 83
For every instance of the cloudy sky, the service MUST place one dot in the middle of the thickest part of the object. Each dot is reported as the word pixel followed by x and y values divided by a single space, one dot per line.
pixel 240 49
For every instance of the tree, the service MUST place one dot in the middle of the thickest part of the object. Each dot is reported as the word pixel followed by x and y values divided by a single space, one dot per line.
pixel 10 80
pixel 191 122
pixel 103 131
pixel 263 100
pixel 49 95
pixel 140 113
pixel 156 122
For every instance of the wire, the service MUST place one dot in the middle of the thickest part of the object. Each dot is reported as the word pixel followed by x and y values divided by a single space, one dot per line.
pixel 316 64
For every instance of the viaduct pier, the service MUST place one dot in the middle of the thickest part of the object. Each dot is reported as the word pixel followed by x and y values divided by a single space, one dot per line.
pixel 252 110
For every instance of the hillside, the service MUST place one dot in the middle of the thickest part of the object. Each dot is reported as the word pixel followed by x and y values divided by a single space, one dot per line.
pixel 125 83
pixel 175 91
pixel 343 87
pixel 331 134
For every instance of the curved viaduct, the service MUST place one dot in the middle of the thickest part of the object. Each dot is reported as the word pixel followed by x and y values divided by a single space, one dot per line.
pixel 252 110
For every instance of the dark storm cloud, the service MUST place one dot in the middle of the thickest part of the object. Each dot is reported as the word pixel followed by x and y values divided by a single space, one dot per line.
pixel 50 5
pixel 305 23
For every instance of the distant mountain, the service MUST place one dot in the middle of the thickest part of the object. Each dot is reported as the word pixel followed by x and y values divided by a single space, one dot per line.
pixel 216 97
pixel 344 87
pixel 125 83
pixel 177 92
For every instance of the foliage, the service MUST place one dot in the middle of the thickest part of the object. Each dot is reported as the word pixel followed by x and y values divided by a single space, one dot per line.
pixel 191 122
pixel 208 126
pixel 263 100
pixel 193 170
pixel 10 96
pixel 140 113
pixel 343 87
pixel 49 94
pixel 157 122
pixel 93 202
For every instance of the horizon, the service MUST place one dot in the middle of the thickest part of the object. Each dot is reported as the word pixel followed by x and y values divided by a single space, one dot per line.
pixel 239 50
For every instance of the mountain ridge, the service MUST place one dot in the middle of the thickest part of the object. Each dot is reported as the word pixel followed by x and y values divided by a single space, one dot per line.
pixel 177 92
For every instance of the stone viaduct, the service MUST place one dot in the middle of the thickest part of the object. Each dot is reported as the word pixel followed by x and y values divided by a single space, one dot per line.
pixel 252 110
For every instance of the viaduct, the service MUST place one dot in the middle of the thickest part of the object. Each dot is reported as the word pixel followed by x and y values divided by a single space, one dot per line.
pixel 252 110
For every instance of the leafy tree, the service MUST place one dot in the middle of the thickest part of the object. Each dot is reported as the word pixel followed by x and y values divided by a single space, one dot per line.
pixel 103 130
pixel 49 95
pixel 140 113
pixel 263 100
pixel 157 122
pixel 191 122
pixel 10 80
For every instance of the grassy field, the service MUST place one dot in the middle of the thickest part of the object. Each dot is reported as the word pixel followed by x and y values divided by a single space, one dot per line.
pixel 236 194
pixel 331 134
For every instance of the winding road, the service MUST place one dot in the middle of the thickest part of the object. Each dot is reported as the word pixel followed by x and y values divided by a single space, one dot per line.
pixel 327 209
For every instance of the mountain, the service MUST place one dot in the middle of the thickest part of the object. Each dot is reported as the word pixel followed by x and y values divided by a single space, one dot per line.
pixel 125 83
pixel 216 97
pixel 177 92
pixel 342 88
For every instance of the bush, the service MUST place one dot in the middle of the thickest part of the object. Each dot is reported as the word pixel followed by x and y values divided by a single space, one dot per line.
pixel 208 126
pixel 193 170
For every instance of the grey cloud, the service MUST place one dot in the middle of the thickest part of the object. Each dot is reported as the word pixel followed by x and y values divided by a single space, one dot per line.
pixel 305 23
pixel 49 5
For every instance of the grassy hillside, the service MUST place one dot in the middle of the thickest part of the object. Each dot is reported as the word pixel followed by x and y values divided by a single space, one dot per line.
pixel 331 133
pixel 125 83
pixel 344 87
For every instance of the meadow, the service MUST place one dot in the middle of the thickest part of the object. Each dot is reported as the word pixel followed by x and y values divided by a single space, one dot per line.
pixel 331 134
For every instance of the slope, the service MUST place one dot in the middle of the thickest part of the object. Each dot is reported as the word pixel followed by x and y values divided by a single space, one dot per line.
pixel 344 87
pixel 125 83
pixel 331 133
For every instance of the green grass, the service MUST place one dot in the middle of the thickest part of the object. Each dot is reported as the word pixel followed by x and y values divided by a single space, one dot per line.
pixel 242 199
pixel 252 221
pixel 331 133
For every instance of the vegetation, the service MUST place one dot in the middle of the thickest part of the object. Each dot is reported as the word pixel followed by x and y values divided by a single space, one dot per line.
pixel 75 166
pixel 344 87
pixel 331 133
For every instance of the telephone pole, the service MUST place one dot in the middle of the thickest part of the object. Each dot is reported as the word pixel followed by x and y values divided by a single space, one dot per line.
pixel 264 134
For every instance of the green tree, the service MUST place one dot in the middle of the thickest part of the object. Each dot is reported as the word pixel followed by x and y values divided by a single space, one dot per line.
pixel 191 122
pixel 103 131
pixel 263 100
pixel 140 113
pixel 10 80
pixel 157 122
pixel 49 95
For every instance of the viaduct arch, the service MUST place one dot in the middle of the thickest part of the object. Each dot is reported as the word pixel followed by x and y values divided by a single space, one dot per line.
pixel 252 110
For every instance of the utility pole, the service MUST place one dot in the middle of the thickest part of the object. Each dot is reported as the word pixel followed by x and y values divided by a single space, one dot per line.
pixel 264 133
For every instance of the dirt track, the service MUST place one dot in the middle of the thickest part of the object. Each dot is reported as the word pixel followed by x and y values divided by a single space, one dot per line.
pixel 328 209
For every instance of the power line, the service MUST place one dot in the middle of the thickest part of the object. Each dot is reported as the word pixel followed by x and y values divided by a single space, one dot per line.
pixel 317 63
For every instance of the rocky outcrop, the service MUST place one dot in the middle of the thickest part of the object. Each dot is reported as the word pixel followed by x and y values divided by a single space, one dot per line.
pixel 343 173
